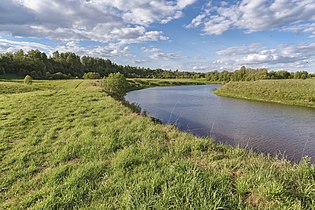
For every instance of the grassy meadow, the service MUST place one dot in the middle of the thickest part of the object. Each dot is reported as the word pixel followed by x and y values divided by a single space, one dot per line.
pixel 67 145
pixel 292 92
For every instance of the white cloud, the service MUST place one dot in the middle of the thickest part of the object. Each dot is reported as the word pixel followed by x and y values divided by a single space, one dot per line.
pixel 199 68
pixel 115 24
pixel 157 54
pixel 239 50
pixel 104 51
pixel 308 28
pixel 98 20
pixel 145 37
pixel 258 15
pixel 107 51
pixel 13 46
pixel 300 55
pixel 287 57
pixel 181 4
pixel 138 61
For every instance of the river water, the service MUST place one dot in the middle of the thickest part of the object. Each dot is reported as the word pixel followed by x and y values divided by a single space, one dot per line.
pixel 283 130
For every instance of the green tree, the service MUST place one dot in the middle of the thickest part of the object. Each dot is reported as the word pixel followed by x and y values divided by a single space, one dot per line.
pixel 56 56
pixel 116 84
pixel 2 71
pixel 34 54
pixel 301 75
pixel 28 80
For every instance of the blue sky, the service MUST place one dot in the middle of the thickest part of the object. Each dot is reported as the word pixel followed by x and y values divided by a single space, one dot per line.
pixel 188 35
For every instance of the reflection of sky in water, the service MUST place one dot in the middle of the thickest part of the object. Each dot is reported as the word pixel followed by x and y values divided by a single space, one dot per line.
pixel 265 127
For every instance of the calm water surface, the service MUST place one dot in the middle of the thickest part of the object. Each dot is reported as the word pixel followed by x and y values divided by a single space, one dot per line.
pixel 264 127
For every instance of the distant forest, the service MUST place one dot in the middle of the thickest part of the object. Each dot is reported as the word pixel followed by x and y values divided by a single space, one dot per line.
pixel 69 65
pixel 248 74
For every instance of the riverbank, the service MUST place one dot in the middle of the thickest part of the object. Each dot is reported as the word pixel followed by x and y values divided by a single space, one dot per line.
pixel 141 83
pixel 291 92
pixel 64 144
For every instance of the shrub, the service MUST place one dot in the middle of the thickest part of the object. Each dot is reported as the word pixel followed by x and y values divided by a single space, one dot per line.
pixel 28 80
pixel 116 84
pixel 92 75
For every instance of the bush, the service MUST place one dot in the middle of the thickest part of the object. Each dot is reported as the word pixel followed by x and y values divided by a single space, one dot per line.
pixel 28 80
pixel 92 75
pixel 116 84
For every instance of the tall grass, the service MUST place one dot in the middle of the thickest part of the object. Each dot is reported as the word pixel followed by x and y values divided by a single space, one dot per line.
pixel 69 146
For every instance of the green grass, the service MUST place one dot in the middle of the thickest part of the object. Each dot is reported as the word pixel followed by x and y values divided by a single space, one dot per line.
pixel 292 92
pixel 13 87
pixel 138 83
pixel 67 145
pixel 18 86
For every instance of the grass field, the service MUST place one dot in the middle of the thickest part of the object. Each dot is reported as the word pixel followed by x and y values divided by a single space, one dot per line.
pixel 67 145
pixel 292 92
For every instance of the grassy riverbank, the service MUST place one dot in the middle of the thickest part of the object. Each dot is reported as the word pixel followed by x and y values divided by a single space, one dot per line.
pixel 137 83
pixel 292 92
pixel 65 145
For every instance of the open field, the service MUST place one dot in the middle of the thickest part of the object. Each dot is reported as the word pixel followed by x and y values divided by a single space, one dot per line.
pixel 17 86
pixel 67 145
pixel 292 92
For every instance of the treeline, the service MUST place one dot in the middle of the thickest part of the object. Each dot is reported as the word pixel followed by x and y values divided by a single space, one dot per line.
pixel 69 65
pixel 248 74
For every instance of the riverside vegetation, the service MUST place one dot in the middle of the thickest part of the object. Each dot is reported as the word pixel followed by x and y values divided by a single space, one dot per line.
pixel 68 145
pixel 291 92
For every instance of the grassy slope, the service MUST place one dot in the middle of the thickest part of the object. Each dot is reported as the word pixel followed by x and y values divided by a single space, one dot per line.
pixel 292 92
pixel 71 146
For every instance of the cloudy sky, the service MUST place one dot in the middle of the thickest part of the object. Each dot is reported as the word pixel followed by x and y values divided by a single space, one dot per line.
pixel 190 35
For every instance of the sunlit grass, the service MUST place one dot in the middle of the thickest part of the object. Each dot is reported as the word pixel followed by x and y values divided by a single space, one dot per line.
pixel 293 92
pixel 66 145
pixel 138 83
pixel 17 86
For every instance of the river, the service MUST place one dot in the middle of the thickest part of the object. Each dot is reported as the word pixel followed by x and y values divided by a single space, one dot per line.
pixel 287 131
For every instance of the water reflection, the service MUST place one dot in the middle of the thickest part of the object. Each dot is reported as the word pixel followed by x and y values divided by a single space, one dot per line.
pixel 264 127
